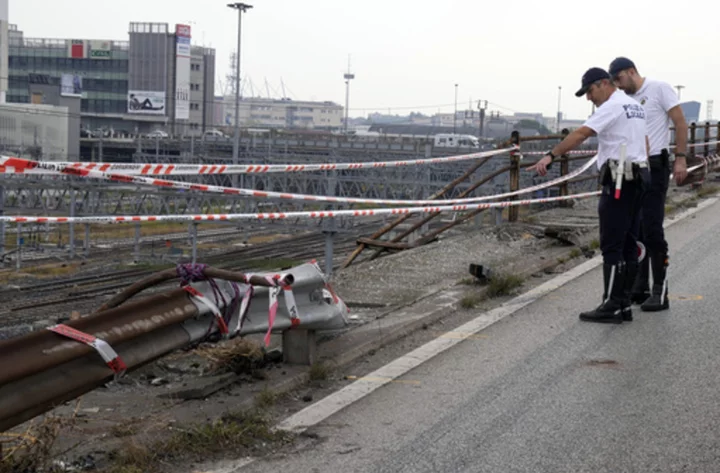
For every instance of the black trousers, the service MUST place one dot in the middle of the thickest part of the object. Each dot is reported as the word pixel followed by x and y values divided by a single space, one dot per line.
pixel 620 218
pixel 652 213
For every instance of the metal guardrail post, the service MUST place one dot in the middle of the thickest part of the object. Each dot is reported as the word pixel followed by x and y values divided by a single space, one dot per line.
pixel 330 226
pixel 18 258
pixel 717 138
pixel 194 242
pixel 137 242
pixel 513 212
pixel 426 191
pixel 87 239
pixel 71 227
pixel 2 224
pixel 707 139
pixel 693 130
pixel 564 171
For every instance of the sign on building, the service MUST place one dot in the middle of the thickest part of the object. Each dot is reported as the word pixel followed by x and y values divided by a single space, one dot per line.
pixel 182 72
pixel 77 49
pixel 146 103
pixel 71 85
pixel 100 50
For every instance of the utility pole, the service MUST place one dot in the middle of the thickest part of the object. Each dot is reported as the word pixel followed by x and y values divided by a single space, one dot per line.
pixel 240 7
pixel 455 114
pixel 482 116
pixel 679 88
pixel 557 123
pixel 348 77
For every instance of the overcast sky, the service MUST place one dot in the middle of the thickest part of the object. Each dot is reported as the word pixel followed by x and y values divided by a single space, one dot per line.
pixel 408 55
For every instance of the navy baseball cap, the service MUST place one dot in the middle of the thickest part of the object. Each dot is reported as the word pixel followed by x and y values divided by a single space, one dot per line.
pixel 620 64
pixel 591 76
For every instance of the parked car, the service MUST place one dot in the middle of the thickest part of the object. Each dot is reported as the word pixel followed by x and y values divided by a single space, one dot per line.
pixel 213 133
pixel 157 134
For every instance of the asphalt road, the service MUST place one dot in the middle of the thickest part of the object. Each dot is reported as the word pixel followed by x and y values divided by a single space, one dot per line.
pixel 540 391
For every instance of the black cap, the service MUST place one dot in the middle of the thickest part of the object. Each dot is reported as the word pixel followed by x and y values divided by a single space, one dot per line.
pixel 620 64
pixel 592 75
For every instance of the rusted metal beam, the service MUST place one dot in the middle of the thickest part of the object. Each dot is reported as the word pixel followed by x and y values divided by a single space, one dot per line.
pixel 171 274
pixel 402 219
pixel 26 398
pixel 431 216
pixel 388 245
pixel 43 349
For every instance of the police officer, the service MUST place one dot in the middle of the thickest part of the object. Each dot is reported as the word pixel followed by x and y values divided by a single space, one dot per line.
pixel 662 107
pixel 619 124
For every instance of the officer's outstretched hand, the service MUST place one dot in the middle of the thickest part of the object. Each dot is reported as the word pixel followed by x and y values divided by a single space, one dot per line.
pixel 680 170
pixel 541 166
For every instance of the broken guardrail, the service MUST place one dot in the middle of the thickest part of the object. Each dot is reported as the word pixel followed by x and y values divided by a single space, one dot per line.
pixel 43 369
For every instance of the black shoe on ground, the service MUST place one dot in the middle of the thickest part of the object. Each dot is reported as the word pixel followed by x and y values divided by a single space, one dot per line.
pixel 657 301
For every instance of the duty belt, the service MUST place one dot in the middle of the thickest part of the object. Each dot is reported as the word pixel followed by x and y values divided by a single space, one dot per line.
pixel 630 167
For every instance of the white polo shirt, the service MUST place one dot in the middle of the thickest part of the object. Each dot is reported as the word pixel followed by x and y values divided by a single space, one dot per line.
pixel 619 120
pixel 657 98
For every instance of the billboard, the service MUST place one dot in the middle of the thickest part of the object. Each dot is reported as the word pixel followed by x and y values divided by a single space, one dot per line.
pixel 71 85
pixel 77 49
pixel 182 72
pixel 100 50
pixel 146 103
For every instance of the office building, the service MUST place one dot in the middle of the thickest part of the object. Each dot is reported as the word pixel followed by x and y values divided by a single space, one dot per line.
pixel 153 80
pixel 282 113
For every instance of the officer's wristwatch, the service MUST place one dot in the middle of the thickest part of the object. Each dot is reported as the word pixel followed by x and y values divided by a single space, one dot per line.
pixel 552 156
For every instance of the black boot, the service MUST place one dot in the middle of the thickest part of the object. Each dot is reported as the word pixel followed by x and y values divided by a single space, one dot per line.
pixel 611 310
pixel 631 272
pixel 640 285
pixel 658 300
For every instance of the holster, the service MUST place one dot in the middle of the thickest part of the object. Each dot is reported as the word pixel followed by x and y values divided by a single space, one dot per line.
pixel 660 161
pixel 609 171
pixel 632 171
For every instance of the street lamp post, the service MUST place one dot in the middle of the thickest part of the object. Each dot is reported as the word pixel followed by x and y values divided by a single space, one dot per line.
pixel 679 89
pixel 240 7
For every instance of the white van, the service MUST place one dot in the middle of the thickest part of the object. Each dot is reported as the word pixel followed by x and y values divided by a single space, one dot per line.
pixel 213 133
pixel 449 140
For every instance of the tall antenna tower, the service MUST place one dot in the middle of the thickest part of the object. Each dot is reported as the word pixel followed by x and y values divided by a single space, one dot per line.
pixel 230 77
pixel 348 77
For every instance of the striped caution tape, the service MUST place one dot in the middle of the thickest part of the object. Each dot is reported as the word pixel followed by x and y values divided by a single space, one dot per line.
pixel 111 358
pixel 292 215
pixel 199 297
pixel 187 186
pixel 10 165
pixel 580 151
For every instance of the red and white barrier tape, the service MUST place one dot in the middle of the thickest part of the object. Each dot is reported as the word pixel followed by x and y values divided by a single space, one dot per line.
pixel 109 356
pixel 178 185
pixel 291 215
pixel 244 308
pixel 198 296
pixel 278 284
pixel 7 166
pixel 593 151
pixel 576 152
